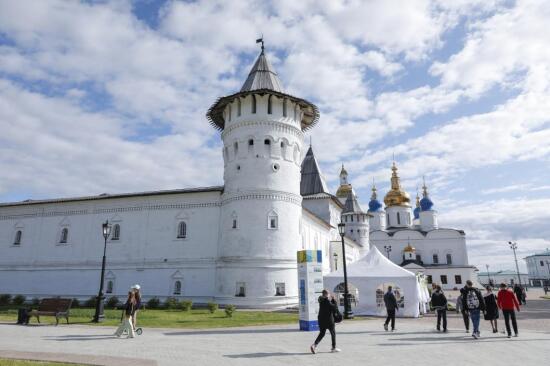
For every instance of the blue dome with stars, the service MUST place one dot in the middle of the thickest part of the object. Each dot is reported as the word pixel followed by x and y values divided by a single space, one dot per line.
pixel 374 205
pixel 426 204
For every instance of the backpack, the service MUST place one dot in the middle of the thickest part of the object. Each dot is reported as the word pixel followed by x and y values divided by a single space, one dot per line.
pixel 472 301
pixel 338 316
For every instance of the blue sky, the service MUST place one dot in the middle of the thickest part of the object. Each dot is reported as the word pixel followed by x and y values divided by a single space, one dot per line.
pixel 110 96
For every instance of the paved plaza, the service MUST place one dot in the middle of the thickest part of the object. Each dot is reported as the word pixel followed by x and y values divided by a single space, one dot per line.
pixel 362 342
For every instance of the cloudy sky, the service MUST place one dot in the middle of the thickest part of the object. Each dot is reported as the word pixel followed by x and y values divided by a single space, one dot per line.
pixel 101 96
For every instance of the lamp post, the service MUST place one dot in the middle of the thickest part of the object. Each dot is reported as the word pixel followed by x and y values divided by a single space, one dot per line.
pixel 347 307
pixel 387 248
pixel 548 267
pixel 335 255
pixel 488 277
pixel 514 246
pixel 98 316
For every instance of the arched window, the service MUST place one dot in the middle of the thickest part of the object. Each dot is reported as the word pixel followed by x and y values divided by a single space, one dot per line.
pixel 182 230
pixel 110 286
pixel 398 219
pixel 269 105
pixel 284 107
pixel 267 147
pixel 177 287
pixel 236 147
pixel 250 146
pixel 234 221
pixel 17 239
pixel 272 221
pixel 296 112
pixel 116 232
pixel 449 258
pixel 253 104
pixel 239 107
pixel 229 112
pixel 435 259
pixel 64 235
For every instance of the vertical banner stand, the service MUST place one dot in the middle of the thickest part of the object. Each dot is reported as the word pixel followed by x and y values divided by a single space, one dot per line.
pixel 310 286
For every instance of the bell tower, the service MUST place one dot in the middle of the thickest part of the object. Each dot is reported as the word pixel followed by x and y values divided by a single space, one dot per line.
pixel 262 129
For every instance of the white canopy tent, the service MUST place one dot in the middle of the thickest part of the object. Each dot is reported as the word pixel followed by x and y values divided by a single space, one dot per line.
pixel 368 280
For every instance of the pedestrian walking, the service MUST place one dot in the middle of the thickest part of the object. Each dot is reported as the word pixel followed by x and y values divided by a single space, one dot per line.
pixel 391 307
pixel 462 310
pixel 439 303
pixel 491 308
pixel 327 309
pixel 519 293
pixel 473 301
pixel 545 290
pixel 507 302
pixel 126 325
pixel 137 293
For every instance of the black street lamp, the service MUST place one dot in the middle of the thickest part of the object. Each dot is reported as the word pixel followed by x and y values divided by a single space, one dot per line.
pixel 387 248
pixel 347 306
pixel 335 255
pixel 98 316
pixel 488 277
pixel 514 246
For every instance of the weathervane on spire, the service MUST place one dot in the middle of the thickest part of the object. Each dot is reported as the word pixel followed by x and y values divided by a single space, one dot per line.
pixel 261 40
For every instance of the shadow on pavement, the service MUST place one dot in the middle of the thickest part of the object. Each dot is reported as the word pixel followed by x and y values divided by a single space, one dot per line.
pixel 231 331
pixel 266 354
pixel 79 337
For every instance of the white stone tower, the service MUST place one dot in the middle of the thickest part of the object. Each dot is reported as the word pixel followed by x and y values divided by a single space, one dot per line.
pixel 261 203
pixel 357 222
pixel 377 215
pixel 427 215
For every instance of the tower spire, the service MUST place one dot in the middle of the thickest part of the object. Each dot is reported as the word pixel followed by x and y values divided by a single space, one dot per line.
pixel 373 196
pixel 424 187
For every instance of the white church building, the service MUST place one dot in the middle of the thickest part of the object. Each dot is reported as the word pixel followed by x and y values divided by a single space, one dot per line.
pixel 232 244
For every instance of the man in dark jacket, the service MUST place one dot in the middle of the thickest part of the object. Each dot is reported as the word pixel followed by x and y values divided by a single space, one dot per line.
pixel 473 301
pixel 460 309
pixel 391 307
pixel 327 308
pixel 439 303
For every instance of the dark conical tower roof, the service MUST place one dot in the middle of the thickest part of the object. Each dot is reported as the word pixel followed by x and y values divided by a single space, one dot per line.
pixel 312 181
pixel 351 205
pixel 262 76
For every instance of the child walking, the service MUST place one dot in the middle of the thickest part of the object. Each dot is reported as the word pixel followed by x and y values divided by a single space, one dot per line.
pixel 129 309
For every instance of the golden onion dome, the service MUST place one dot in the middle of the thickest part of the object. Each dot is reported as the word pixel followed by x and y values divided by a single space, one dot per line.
pixel 396 195
pixel 409 248
pixel 343 190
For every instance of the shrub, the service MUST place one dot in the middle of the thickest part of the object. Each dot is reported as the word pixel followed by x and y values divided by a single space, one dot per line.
pixel 112 302
pixel 18 300
pixel 5 299
pixel 186 305
pixel 229 310
pixel 90 303
pixel 153 303
pixel 75 303
pixel 171 303
pixel 212 307
pixel 35 301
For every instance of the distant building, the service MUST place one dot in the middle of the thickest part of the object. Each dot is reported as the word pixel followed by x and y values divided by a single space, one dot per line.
pixel 506 276
pixel 538 266
pixel 417 241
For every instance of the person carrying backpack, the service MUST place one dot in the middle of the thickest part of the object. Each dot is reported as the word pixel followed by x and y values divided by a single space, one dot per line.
pixel 391 307
pixel 327 309
pixel 473 301
pixel 439 303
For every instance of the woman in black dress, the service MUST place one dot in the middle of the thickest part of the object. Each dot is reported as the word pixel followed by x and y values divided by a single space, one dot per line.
pixel 491 311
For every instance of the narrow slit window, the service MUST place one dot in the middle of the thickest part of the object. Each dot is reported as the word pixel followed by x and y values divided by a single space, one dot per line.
pixel 17 239
pixel 269 105
pixel 284 107
pixel 182 230
pixel 253 104
pixel 238 107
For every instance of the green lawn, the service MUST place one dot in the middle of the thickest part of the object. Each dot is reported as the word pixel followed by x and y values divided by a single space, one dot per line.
pixel 6 362
pixel 200 318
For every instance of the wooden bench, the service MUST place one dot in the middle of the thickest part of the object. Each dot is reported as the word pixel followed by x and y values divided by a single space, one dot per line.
pixel 53 307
